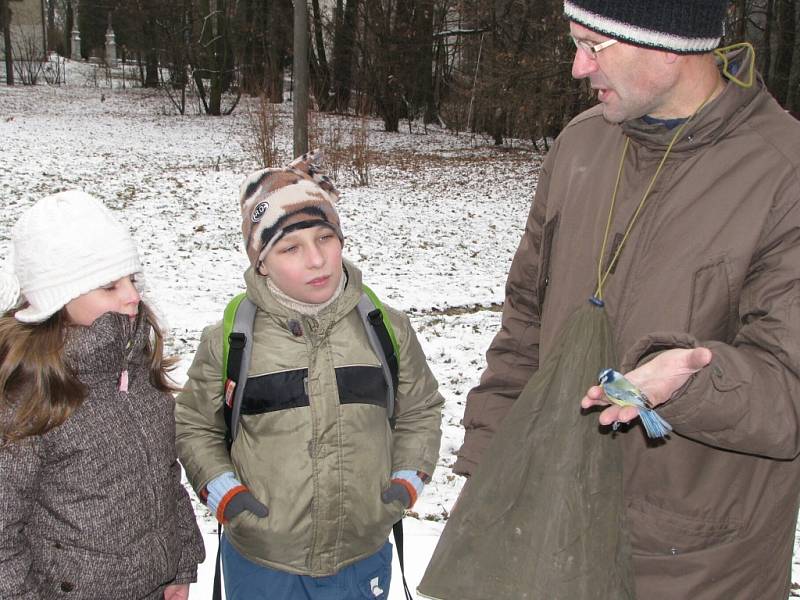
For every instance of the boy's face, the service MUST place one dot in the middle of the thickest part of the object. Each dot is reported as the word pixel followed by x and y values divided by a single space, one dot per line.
pixel 119 296
pixel 306 264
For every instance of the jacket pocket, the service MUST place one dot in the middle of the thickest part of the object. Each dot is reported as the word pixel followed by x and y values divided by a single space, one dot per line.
pixel 545 254
pixel 712 310
pixel 83 573
pixel 659 532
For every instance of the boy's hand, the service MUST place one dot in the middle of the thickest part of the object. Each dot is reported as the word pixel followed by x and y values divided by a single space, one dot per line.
pixel 405 486
pixel 244 500
pixel 226 496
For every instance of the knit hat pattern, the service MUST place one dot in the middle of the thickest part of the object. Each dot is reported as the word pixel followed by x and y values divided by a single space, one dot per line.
pixel 276 201
pixel 64 246
pixel 679 26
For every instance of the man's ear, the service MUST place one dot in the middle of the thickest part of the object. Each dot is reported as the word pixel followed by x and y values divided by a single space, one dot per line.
pixel 671 58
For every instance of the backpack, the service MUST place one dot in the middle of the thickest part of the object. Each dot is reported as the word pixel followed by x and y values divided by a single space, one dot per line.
pixel 237 331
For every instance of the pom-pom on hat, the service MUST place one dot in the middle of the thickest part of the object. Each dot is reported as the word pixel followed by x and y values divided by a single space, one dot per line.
pixel 680 26
pixel 64 246
pixel 276 201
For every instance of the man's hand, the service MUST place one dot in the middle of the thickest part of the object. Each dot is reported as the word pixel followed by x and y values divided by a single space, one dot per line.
pixel 658 379
pixel 177 592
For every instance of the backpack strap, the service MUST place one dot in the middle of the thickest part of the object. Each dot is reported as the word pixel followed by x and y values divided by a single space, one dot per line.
pixel 237 333
pixel 383 341
pixel 237 348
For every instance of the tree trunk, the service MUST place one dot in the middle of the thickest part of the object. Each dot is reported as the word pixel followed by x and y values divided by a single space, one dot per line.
pixel 793 100
pixel 5 15
pixel 766 69
pixel 300 66
pixel 248 60
pixel 784 51
pixel 320 72
pixel 151 79
pixel 218 60
pixel 343 44
pixel 150 30
pixel 275 53
pixel 423 96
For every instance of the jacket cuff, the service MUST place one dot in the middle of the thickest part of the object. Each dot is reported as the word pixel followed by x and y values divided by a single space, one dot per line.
pixel 676 410
pixel 187 576
pixel 218 492
pixel 220 514
pixel 647 347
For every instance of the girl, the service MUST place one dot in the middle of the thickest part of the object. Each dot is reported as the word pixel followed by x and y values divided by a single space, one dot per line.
pixel 91 502
pixel 316 476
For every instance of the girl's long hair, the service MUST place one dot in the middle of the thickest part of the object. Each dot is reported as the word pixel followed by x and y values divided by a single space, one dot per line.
pixel 38 390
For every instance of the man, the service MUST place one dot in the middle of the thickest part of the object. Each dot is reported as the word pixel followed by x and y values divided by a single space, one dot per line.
pixel 699 272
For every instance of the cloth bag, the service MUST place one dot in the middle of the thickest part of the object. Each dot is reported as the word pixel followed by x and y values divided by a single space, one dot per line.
pixel 542 517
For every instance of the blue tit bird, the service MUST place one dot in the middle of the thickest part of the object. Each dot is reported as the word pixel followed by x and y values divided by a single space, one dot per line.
pixel 622 392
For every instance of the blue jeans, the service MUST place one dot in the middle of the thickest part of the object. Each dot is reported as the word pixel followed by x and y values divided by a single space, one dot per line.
pixel 368 579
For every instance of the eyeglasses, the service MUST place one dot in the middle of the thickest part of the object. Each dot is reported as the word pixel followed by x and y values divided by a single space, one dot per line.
pixel 591 50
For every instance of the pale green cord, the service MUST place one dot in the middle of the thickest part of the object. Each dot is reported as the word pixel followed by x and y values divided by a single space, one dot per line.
pixel 722 54
pixel 601 278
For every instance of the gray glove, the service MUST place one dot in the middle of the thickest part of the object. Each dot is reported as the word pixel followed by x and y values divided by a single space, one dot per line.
pixel 244 501
pixel 396 491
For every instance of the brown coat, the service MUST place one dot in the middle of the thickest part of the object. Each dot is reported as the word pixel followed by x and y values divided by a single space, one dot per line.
pixel 714 260
pixel 95 509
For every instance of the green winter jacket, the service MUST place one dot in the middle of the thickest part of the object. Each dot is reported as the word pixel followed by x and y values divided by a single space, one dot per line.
pixel 314 442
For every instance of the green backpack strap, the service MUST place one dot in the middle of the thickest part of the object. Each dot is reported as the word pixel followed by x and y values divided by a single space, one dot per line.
pixel 228 319
pixel 237 330
pixel 383 341
pixel 386 322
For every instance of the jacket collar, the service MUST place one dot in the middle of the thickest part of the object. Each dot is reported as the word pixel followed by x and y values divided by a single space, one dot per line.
pixel 259 293
pixel 721 115
pixel 106 346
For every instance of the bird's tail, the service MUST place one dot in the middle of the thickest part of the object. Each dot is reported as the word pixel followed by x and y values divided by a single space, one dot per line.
pixel 654 424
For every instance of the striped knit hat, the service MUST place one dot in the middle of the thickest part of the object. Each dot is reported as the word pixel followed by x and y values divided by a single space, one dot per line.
pixel 680 26
pixel 276 201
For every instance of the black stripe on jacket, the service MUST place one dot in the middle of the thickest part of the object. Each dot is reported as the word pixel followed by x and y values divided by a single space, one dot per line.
pixel 357 384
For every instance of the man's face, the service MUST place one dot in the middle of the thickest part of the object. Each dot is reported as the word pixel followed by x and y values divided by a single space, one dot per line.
pixel 630 81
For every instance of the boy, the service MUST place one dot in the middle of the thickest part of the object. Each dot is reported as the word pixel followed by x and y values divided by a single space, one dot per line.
pixel 316 476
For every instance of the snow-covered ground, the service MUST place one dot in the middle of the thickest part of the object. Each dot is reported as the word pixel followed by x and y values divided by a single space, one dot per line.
pixel 434 232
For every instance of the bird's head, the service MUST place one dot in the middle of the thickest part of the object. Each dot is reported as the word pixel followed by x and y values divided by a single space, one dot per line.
pixel 606 376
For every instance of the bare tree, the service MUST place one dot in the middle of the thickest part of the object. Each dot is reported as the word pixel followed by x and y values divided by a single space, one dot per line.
pixel 5 18
pixel 343 51
pixel 300 70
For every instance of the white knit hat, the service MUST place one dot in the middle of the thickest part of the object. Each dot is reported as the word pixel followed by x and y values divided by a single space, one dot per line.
pixel 64 246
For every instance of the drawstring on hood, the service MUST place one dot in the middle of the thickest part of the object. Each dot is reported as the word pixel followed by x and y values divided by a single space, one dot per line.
pixel 723 54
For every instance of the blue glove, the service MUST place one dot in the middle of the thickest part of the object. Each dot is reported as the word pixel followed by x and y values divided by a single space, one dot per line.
pixel 227 497
pixel 622 392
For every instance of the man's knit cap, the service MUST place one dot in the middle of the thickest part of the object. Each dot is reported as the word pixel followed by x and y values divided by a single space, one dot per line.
pixel 680 26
